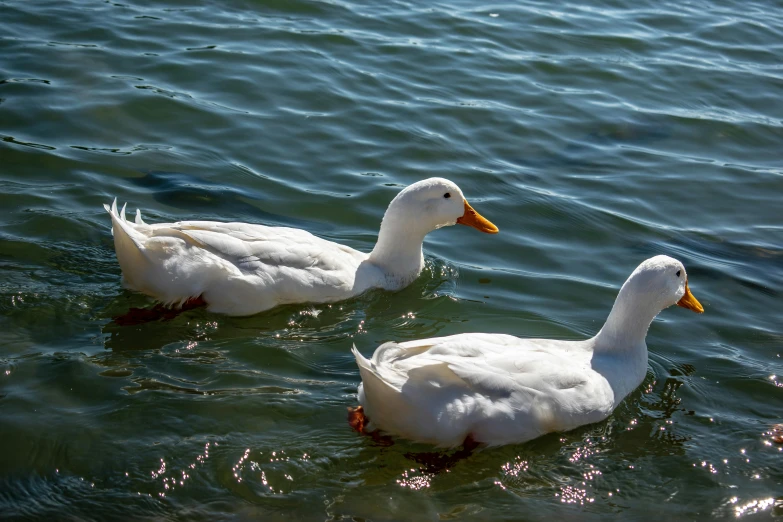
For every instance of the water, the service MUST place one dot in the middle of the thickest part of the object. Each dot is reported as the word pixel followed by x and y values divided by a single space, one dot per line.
pixel 594 134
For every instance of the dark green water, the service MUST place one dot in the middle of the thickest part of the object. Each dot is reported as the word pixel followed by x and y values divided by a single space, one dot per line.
pixel 594 134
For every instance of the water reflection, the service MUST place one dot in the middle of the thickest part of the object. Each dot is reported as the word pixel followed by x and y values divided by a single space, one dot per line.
pixel 751 507
pixel 290 324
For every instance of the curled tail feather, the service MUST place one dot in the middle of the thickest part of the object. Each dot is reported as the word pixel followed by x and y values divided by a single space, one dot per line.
pixel 121 229
pixel 129 246
pixel 380 399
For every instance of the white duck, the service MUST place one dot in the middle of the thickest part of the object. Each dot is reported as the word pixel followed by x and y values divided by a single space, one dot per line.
pixel 499 389
pixel 242 269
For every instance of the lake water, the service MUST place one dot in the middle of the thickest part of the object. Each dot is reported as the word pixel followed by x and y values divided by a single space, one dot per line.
pixel 595 134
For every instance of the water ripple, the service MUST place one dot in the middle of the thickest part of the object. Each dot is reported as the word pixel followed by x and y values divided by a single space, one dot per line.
pixel 594 134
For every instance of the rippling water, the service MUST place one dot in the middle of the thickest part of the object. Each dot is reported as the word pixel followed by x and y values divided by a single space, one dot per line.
pixel 595 134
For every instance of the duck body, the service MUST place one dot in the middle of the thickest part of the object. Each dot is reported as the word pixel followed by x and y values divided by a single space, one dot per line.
pixel 238 268
pixel 496 389
pixel 243 269
pixel 500 389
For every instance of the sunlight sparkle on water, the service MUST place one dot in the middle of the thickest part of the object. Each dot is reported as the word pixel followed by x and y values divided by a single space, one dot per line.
pixel 513 470
pixel 415 482
pixel 172 481
pixel 573 495
pixel 238 465
pixel 582 453
pixel 775 435
pixel 311 311
pixel 754 506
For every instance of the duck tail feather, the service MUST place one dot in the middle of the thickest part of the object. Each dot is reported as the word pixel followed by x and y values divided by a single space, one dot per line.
pixel 120 225
pixel 361 360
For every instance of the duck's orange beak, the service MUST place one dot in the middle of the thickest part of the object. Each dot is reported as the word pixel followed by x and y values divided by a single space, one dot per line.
pixel 690 302
pixel 473 219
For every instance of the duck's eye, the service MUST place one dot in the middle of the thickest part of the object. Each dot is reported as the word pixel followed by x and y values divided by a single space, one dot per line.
pixel 679 272
pixel 447 195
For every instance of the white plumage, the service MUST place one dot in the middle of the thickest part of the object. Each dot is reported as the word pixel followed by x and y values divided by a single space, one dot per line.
pixel 501 389
pixel 242 268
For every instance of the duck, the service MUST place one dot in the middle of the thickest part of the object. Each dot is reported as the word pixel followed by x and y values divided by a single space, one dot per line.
pixel 496 389
pixel 242 269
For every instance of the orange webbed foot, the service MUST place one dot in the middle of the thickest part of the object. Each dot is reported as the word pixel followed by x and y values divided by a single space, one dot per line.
pixel 358 421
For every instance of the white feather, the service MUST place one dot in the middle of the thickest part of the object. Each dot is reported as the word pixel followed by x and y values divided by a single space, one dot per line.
pixel 242 268
pixel 501 389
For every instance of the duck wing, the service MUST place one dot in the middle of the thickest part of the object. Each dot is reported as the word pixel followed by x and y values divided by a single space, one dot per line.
pixel 492 365
pixel 256 247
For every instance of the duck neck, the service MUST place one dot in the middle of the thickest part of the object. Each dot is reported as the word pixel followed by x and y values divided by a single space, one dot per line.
pixel 398 252
pixel 626 327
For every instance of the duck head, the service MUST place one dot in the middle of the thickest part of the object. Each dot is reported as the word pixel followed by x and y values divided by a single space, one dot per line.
pixel 434 203
pixel 660 282
pixel 657 283
pixel 416 211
